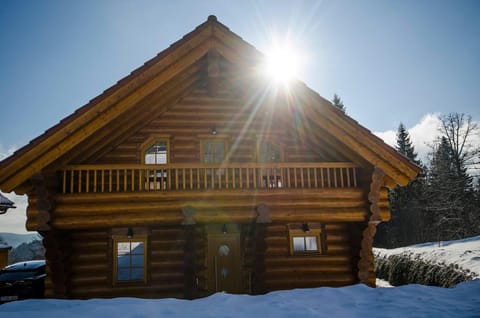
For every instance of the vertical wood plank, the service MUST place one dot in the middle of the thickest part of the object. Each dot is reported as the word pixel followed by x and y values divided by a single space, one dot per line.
pixel 341 178
pixel 64 181
pixel 329 184
pixel 87 181
pixel 110 180
pixel 80 181
pixel 335 177
pixel 355 177
pixel 117 171
pixel 95 180
pixel 349 185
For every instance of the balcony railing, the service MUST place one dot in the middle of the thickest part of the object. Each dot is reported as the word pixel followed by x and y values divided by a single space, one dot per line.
pixel 231 176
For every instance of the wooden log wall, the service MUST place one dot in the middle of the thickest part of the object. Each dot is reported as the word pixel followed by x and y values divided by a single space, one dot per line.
pixel 285 271
pixel 92 265
pixel 191 120
pixel 201 270
pixel 167 268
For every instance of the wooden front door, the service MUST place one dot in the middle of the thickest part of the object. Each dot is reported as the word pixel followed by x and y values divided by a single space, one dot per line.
pixel 224 263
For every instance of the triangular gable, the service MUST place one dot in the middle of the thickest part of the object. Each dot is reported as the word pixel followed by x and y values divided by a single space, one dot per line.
pixel 166 70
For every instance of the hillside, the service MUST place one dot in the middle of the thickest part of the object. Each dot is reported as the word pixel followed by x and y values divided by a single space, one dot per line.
pixel 15 240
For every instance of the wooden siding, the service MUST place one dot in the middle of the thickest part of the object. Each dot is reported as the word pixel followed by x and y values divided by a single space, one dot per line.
pixel 192 118
pixel 285 271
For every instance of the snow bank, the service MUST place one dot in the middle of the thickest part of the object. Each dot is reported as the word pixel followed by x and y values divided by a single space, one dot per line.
pixel 464 254
pixel 353 301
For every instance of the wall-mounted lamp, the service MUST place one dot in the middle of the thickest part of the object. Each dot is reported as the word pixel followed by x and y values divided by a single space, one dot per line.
pixel 305 227
pixel 213 131
pixel 130 233
pixel 224 229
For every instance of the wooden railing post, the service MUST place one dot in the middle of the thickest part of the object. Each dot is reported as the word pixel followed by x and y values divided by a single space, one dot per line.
pixel 189 177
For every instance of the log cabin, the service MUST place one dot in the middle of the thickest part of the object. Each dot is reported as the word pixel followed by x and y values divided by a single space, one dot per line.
pixel 194 175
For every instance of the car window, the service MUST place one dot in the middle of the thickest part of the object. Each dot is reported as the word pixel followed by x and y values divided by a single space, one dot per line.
pixel 17 275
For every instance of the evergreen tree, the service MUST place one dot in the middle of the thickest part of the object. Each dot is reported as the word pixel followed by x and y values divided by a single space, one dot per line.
pixel 405 226
pixel 337 102
pixel 445 195
pixel 451 198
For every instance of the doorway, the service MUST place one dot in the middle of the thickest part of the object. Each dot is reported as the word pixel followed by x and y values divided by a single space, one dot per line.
pixel 224 262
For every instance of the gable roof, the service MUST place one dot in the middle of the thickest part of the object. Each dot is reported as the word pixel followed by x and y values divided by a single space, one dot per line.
pixel 173 70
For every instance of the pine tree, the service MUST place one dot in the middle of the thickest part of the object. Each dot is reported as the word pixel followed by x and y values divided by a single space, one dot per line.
pixel 451 198
pixel 337 102
pixel 404 145
pixel 405 226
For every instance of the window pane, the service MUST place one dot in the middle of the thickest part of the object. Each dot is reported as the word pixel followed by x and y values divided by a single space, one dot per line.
pixel 123 248
pixel 123 274
pixel 137 273
pixel 130 260
pixel 298 244
pixel 214 151
pixel 123 261
pixel 311 243
pixel 137 247
pixel 137 260
pixel 157 154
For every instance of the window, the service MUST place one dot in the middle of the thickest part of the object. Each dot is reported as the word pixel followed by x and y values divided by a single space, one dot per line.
pixel 305 240
pixel 213 151
pixel 130 260
pixel 269 152
pixel 157 153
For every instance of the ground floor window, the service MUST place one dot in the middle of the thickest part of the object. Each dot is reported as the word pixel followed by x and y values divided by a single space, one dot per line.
pixel 306 239
pixel 130 260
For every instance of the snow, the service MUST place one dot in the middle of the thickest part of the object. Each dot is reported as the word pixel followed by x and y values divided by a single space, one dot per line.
pixel 464 253
pixel 353 301
pixel 463 300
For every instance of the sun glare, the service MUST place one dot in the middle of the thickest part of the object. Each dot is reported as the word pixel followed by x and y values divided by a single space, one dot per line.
pixel 282 63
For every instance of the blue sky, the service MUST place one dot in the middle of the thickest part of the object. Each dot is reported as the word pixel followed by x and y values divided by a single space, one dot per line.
pixel 390 61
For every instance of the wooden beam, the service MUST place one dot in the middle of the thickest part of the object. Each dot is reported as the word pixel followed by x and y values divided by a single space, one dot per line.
pixel 79 129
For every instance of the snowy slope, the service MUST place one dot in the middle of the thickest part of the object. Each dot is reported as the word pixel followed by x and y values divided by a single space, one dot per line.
pixel 15 240
pixel 353 301
pixel 464 253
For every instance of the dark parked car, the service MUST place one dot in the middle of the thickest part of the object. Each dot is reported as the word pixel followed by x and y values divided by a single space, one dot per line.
pixel 22 280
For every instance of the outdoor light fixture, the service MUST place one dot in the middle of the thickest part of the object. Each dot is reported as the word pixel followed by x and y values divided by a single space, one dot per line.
pixel 213 131
pixel 224 229
pixel 305 227
pixel 130 233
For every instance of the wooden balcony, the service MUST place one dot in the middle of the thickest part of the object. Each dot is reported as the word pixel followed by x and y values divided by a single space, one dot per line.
pixel 202 177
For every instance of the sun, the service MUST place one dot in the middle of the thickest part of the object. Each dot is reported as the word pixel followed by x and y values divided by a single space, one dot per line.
pixel 282 63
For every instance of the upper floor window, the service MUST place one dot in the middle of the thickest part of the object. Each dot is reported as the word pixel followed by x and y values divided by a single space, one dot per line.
pixel 157 153
pixel 214 151
pixel 269 152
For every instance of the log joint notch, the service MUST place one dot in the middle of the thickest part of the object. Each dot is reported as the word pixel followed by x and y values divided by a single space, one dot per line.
pixel 43 204
pixel 366 274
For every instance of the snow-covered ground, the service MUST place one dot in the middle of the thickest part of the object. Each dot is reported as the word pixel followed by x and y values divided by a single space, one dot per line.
pixel 463 300
pixel 354 301
pixel 464 253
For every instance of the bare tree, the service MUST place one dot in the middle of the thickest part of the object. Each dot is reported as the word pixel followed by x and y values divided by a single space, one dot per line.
pixel 459 131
